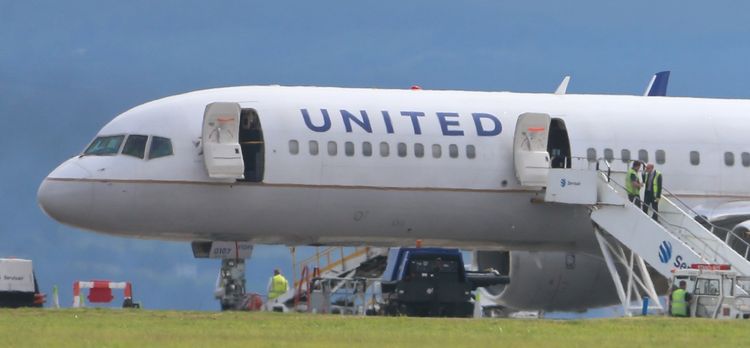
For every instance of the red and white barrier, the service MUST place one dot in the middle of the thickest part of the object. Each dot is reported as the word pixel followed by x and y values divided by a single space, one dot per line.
pixel 101 291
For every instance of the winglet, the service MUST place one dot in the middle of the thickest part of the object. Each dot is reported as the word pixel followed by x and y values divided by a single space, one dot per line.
pixel 658 85
pixel 563 87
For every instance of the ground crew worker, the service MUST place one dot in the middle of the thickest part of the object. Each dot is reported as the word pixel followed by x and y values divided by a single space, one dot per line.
pixel 277 286
pixel 678 305
pixel 633 184
pixel 652 190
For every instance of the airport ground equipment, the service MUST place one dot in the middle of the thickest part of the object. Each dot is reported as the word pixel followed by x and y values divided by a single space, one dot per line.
pixel 100 291
pixel 346 296
pixel 330 278
pixel 18 284
pixel 230 283
pixel 253 302
pixel 487 307
pixel 714 291
pixel 629 238
pixel 431 282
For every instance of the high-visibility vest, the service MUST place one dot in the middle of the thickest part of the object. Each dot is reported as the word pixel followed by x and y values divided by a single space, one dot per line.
pixel 655 184
pixel 278 286
pixel 679 305
pixel 629 184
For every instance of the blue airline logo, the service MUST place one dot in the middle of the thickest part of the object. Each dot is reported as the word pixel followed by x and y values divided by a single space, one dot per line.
pixel 485 125
pixel 665 251
pixel 665 254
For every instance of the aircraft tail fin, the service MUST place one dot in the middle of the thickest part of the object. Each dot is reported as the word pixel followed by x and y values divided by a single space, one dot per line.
pixel 657 87
pixel 563 87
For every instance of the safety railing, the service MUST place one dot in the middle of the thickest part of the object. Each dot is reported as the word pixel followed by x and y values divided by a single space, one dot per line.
pixel 606 168
pixel 680 231
pixel 313 277
pixel 673 197
pixel 620 188
pixel 329 259
pixel 343 295
pixel 731 238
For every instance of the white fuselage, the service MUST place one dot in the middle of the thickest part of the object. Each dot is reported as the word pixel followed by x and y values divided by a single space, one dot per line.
pixel 349 198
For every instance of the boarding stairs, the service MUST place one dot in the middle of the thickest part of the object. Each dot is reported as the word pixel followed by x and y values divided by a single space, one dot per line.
pixel 338 267
pixel 630 237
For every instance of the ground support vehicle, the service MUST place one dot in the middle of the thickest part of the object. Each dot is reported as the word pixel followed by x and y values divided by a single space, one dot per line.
pixel 431 282
pixel 18 284
pixel 716 291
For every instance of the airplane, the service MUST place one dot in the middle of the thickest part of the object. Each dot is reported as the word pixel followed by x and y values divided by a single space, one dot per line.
pixel 386 167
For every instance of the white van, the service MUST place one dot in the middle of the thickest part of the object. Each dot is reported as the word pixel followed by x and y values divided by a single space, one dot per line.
pixel 18 285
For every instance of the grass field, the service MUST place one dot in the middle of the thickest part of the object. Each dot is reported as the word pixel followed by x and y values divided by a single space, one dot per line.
pixel 135 328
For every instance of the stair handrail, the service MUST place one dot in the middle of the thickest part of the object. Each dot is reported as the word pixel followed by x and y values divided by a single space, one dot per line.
pixel 331 262
pixel 663 220
pixel 304 279
pixel 319 255
pixel 674 200
pixel 348 257
pixel 684 206
pixel 704 220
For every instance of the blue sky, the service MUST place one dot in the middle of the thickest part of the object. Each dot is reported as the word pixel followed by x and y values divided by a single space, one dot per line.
pixel 67 68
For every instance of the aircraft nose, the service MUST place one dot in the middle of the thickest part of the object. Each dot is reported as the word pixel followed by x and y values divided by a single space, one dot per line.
pixel 65 195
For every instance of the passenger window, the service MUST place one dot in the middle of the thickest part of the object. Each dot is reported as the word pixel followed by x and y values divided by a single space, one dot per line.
pixel 643 156
pixel 470 151
pixel 609 155
pixel 745 159
pixel 437 151
pixel 729 158
pixel 418 150
pixel 160 147
pixel 401 150
pixel 313 147
pixel 591 154
pixel 108 145
pixel 453 150
pixel 695 158
pixel 367 149
pixel 661 157
pixel 135 146
pixel 349 148
pixel 293 147
pixel 332 148
pixel 625 155
pixel 384 149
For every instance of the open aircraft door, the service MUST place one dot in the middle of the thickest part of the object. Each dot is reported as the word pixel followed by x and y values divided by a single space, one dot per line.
pixel 530 156
pixel 221 147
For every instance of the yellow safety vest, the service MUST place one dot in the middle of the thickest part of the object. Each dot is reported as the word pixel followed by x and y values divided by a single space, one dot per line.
pixel 679 305
pixel 629 184
pixel 655 183
pixel 278 286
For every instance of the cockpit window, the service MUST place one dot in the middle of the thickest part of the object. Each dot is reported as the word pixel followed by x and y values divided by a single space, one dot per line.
pixel 160 147
pixel 135 145
pixel 108 145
